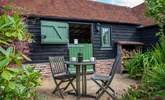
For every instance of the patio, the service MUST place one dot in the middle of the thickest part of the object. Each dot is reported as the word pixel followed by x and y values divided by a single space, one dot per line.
pixel 85 44
pixel 120 83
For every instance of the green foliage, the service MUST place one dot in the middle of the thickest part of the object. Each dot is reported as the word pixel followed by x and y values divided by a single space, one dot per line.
pixel 155 10
pixel 156 77
pixel 131 95
pixel 19 83
pixel 16 82
pixel 151 88
pixel 152 67
pixel 136 65
pixel 7 55
pixel 12 28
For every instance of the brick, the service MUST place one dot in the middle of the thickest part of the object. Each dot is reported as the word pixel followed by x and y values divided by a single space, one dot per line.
pixel 101 67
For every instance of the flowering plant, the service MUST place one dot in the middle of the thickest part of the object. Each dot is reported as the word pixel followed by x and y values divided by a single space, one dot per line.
pixel 17 82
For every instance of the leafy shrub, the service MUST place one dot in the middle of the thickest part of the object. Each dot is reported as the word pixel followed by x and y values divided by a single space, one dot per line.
pixel 151 67
pixel 12 28
pixel 140 64
pixel 152 85
pixel 135 66
pixel 151 88
pixel 144 62
pixel 131 95
pixel 16 82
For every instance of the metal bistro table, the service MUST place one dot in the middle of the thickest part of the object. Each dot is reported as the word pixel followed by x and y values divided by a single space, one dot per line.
pixel 84 82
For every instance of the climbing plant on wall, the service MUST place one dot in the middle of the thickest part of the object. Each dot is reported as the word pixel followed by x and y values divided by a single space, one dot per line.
pixel 155 10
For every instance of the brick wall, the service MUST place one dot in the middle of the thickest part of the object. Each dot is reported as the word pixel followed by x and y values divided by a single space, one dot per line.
pixel 102 67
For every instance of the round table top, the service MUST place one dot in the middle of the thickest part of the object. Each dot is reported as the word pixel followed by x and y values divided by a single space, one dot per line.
pixel 80 63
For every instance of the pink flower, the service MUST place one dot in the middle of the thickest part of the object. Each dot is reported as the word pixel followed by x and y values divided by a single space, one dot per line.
pixel 4 2
pixel 158 98
pixel 10 12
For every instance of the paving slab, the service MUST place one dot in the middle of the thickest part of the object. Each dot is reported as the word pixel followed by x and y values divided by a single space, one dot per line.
pixel 120 83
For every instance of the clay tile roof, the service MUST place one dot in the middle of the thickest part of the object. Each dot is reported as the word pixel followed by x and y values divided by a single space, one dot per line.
pixel 139 11
pixel 78 9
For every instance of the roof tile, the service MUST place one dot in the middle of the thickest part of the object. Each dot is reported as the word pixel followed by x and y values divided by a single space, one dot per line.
pixel 79 9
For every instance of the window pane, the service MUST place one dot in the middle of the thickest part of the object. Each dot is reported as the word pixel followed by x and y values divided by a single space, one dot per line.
pixel 105 37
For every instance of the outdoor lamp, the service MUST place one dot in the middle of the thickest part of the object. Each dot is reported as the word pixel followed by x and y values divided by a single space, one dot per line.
pixel 98 26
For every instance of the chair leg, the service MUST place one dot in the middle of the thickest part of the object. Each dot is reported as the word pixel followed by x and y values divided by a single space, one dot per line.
pixel 104 83
pixel 98 91
pixel 99 95
pixel 61 94
pixel 57 88
pixel 70 81
pixel 73 87
pixel 107 84
pixel 104 89
pixel 111 89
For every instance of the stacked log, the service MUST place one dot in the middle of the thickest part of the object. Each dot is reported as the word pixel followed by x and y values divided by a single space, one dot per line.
pixel 127 54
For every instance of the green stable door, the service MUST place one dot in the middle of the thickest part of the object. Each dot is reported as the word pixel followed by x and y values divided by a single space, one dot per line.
pixel 87 51
pixel 53 32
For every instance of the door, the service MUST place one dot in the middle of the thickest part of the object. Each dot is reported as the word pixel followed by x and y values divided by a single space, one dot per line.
pixel 87 51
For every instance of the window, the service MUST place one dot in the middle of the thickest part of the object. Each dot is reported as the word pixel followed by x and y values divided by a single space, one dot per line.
pixel 105 37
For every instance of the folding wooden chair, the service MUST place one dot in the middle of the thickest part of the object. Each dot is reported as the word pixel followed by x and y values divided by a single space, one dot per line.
pixel 60 72
pixel 106 81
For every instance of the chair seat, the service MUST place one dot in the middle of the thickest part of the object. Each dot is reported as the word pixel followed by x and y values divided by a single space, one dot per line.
pixel 65 76
pixel 60 73
pixel 100 77
pixel 105 81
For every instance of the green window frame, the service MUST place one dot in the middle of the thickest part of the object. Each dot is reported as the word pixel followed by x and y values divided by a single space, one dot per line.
pixel 105 37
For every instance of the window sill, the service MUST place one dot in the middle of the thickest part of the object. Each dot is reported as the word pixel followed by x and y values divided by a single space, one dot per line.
pixel 106 48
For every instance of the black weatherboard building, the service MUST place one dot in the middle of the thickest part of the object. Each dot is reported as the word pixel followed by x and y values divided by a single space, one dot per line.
pixel 55 24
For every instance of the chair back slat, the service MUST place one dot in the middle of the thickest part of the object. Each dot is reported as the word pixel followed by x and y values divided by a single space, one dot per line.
pixel 114 67
pixel 57 64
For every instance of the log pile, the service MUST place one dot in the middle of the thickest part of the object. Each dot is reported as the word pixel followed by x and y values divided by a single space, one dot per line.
pixel 128 54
